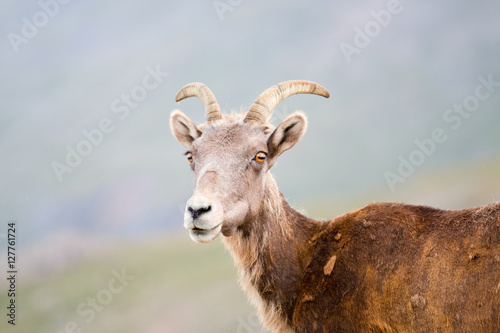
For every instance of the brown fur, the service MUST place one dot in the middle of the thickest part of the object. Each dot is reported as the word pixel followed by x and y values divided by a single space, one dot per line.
pixel 397 268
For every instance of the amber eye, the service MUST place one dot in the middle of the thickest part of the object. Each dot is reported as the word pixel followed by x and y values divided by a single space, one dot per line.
pixel 189 157
pixel 260 157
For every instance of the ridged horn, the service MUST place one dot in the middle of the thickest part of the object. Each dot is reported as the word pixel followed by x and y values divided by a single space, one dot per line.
pixel 267 101
pixel 197 89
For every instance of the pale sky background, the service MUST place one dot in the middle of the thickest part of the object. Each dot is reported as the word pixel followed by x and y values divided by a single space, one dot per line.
pixel 77 67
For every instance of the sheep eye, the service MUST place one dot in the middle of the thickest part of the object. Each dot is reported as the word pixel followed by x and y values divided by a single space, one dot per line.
pixel 260 157
pixel 189 157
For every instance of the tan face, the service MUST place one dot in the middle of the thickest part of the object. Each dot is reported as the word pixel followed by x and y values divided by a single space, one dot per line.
pixel 230 159
pixel 229 164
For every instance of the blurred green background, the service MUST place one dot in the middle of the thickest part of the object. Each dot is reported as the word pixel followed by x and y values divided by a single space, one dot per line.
pixel 99 79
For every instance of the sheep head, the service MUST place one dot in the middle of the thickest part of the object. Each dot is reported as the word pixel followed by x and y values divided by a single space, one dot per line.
pixel 231 156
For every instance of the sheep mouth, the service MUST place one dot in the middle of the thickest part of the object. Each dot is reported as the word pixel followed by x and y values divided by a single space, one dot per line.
pixel 205 235
pixel 198 229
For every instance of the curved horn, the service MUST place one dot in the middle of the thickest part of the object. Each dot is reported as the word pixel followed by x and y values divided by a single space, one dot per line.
pixel 267 101
pixel 197 89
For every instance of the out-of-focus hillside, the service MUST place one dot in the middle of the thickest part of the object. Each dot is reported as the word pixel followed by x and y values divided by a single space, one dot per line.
pixel 457 186
pixel 164 284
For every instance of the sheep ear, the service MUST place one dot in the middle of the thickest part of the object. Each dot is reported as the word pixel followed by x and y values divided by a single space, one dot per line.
pixel 286 135
pixel 183 128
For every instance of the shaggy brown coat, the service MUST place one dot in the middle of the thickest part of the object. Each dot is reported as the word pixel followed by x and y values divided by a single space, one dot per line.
pixel 382 268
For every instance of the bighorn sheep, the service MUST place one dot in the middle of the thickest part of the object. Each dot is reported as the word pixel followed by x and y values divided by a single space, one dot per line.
pixel 385 267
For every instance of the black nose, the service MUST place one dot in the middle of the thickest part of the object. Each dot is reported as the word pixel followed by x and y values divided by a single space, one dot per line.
pixel 195 213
